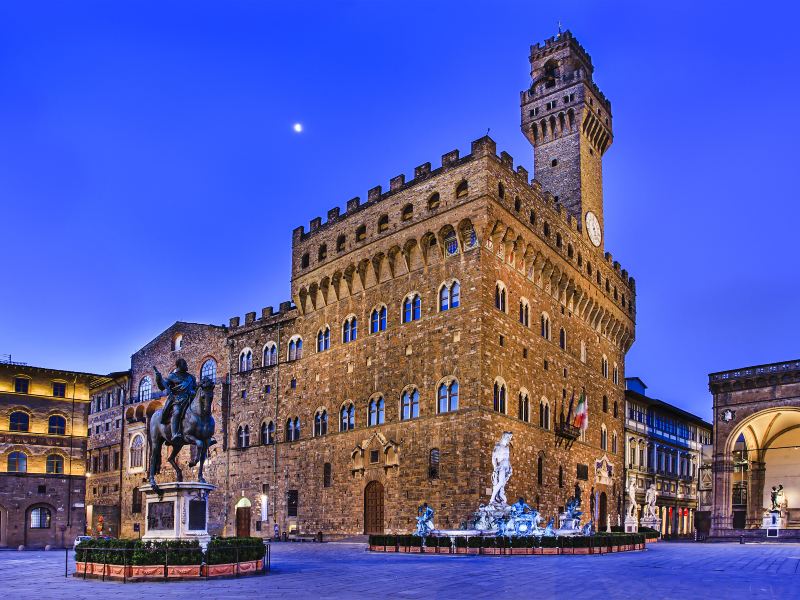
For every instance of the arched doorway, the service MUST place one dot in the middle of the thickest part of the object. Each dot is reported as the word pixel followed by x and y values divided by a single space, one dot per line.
pixel 603 505
pixel 243 508
pixel 373 508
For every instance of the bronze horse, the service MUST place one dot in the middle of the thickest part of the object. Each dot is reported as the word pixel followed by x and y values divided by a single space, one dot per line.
pixel 197 428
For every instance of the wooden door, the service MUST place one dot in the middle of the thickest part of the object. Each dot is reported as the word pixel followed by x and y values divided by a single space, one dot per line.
pixel 601 521
pixel 243 521
pixel 373 508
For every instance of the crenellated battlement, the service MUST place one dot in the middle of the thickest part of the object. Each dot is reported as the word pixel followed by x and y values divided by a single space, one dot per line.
pixel 286 311
pixel 546 204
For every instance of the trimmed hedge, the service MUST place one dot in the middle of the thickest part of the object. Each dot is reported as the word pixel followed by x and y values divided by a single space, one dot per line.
pixel 171 553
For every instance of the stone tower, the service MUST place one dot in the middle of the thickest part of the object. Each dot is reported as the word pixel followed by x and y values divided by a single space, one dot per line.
pixel 568 120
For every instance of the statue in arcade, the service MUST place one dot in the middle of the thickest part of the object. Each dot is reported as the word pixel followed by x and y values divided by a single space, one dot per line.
pixel 502 469
pixel 776 496
pixel 650 497
pixel 424 520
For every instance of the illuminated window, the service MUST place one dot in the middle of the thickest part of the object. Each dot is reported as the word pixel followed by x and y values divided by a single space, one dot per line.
pixel 55 464
pixel 209 370
pixel 19 421
pixel 17 462
pixel 57 425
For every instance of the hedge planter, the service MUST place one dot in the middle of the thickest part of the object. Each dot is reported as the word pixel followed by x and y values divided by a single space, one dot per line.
pixel 550 550
pixel 248 567
pixel 429 549
pixel 390 548
pixel 147 572
pixel 118 571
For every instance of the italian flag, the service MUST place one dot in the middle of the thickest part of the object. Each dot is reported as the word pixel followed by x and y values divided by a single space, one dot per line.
pixel 582 413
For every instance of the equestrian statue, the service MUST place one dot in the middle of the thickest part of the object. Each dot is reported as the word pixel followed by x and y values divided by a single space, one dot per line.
pixel 184 420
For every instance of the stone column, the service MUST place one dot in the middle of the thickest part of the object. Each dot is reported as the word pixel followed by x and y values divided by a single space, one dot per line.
pixel 721 514
pixel 755 494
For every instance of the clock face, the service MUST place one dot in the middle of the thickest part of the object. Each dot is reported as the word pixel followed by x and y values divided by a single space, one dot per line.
pixel 593 228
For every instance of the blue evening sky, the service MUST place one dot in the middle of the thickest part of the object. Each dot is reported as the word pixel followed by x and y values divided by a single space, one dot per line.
pixel 119 118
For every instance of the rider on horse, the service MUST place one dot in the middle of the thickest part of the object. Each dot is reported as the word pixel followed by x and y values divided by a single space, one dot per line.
pixel 181 388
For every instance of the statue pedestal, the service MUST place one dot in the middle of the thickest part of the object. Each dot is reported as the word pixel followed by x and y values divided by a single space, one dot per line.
pixel 631 526
pixel 773 520
pixel 651 522
pixel 179 512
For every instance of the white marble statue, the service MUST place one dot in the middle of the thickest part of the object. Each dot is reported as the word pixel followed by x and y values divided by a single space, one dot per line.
pixel 650 499
pixel 632 506
pixel 502 469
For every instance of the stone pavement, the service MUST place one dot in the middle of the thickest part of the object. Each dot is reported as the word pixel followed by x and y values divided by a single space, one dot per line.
pixel 681 571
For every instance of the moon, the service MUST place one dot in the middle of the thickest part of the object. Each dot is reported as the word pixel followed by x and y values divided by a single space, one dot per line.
pixel 298 127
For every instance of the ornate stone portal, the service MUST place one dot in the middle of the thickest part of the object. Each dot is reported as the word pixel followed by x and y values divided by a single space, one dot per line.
pixel 177 511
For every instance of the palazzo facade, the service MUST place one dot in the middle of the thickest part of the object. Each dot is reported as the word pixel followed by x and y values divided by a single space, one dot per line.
pixel 425 321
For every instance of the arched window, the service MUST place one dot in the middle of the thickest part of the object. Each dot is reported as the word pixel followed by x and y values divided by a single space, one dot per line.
pixel 517 204
pixel 615 375
pixel 340 241
pixel 448 396
pixel 562 338
pixel 270 354
pixel 616 409
pixel 433 464
pixel 449 296
pixel 347 419
pixel 322 253
pixel 539 470
pixel 136 453
pixel 57 425
pixel 604 366
pixel 605 404
pixel 323 339
pixel 209 370
pixel 361 233
pixel 409 404
pixel 145 389
pixel 462 189
pixel 350 330
pixel 524 312
pixel 545 325
pixel 40 518
pixel 268 433
pixel 326 475
pixel 177 342
pixel 245 360
pixel 603 438
pixel 55 464
pixel 243 436
pixel 295 348
pixel 451 243
pixel 614 442
pixel 524 407
pixel 408 212
pixel 19 421
pixel 383 223
pixel 500 397
pixel 377 411
pixel 434 201
pixel 501 190
pixel 544 414
pixel 304 261
pixel 412 308
pixel 320 423
pixel 293 429
pixel 500 296
pixel 377 320
pixel 17 462
pixel 560 476
pixel 583 351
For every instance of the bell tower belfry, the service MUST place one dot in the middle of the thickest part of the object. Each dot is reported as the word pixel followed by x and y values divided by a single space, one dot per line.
pixel 567 119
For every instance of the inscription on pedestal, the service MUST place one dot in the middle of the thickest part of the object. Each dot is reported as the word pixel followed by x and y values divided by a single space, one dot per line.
pixel 197 514
pixel 160 515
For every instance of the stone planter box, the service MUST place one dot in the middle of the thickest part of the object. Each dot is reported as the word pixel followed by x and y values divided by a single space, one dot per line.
pixel 473 550
pixel 248 567
pixel 443 550
pixel 183 571
pixel 581 550
pixel 147 572
pixel 460 550
pixel 429 549
pixel 414 549
pixel 493 551
pixel 118 571
pixel 390 548
pixel 520 550
pixel 377 548
pixel 550 550
pixel 223 570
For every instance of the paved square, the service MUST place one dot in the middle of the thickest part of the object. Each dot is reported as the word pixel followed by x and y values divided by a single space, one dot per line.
pixel 666 570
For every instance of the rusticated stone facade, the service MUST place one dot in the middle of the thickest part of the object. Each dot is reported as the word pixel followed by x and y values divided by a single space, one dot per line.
pixel 478 299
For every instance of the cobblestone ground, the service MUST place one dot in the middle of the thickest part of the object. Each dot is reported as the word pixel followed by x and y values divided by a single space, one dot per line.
pixel 665 570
